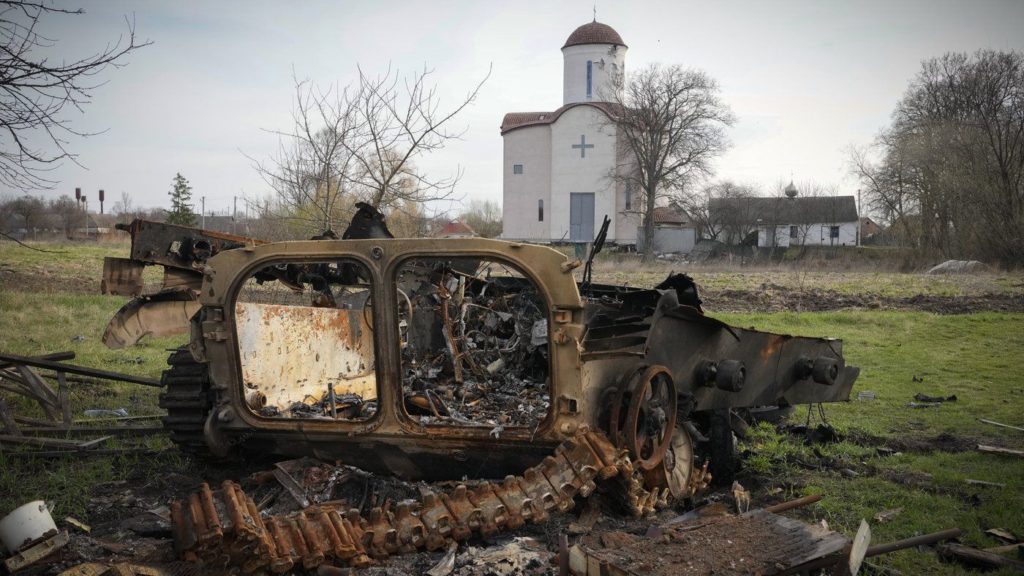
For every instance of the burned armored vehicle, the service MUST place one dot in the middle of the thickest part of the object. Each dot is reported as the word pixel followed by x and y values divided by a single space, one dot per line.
pixel 441 359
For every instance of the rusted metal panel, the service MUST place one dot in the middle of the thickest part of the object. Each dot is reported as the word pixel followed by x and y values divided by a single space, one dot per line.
pixel 121 276
pixel 290 353
pixel 143 317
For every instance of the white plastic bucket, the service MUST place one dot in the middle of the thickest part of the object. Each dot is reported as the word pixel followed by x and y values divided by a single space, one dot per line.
pixel 26 523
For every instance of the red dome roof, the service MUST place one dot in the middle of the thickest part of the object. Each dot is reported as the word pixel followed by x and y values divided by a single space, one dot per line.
pixel 594 33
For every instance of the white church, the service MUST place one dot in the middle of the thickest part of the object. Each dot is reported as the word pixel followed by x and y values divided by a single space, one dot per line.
pixel 557 184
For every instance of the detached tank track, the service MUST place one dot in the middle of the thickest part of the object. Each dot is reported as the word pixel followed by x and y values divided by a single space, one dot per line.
pixel 223 528
pixel 186 398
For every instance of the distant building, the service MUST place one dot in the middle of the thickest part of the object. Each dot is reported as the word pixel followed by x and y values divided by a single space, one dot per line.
pixel 787 221
pixel 674 231
pixel 868 228
pixel 455 229
pixel 557 168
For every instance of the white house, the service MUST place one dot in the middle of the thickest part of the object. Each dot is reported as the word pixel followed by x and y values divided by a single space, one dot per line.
pixel 788 221
pixel 558 165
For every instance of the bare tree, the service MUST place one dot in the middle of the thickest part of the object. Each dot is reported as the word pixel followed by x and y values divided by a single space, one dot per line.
pixel 360 143
pixel 308 173
pixel 37 92
pixel 484 217
pixel 31 210
pixel 670 123
pixel 66 211
pixel 399 120
pixel 950 168
pixel 718 223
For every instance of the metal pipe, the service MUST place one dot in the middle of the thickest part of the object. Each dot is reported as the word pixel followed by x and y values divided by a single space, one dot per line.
pixel 923 540
pixel 783 506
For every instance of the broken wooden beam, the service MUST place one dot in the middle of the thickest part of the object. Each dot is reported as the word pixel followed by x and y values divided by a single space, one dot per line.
pixel 975 557
pixel 80 370
pixel 994 423
pixel 1000 450
pixel 7 419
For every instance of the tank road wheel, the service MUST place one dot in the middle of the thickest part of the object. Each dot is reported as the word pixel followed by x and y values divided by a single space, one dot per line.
pixel 676 469
pixel 650 417
pixel 186 398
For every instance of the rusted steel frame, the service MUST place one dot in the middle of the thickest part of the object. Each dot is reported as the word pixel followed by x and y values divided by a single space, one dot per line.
pixel 25 361
pixel 223 528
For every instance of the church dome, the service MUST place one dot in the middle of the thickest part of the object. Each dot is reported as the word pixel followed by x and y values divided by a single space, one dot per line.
pixel 594 33
pixel 791 190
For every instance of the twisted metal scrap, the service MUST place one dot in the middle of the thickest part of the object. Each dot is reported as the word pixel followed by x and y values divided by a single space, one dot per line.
pixel 223 528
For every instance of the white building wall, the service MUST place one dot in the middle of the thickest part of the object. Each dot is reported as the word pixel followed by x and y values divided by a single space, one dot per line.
pixel 809 235
pixel 531 147
pixel 608 60
pixel 570 173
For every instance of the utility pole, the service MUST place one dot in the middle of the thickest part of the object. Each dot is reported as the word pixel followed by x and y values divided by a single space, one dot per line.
pixel 234 216
pixel 203 204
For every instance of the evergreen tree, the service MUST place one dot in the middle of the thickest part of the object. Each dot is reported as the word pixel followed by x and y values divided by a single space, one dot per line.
pixel 181 203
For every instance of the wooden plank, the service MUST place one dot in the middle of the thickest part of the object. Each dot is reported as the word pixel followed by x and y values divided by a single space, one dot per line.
pixel 55 356
pixel 91 443
pixel 92 430
pixel 80 370
pixel 46 398
pixel 975 557
pixel 7 419
pixel 63 399
pixel 82 453
pixel 36 441
pixel 1000 450
pixel 34 421
pixel 860 547
pixel 994 423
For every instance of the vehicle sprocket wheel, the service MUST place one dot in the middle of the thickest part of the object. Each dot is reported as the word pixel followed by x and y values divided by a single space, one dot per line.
pixel 650 417
pixel 676 469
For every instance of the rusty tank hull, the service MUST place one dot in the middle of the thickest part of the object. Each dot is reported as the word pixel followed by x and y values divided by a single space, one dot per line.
pixel 440 359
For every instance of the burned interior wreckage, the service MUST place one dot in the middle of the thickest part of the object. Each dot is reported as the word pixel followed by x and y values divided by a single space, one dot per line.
pixel 437 359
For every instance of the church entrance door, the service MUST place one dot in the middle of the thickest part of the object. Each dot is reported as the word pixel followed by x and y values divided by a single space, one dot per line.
pixel 581 217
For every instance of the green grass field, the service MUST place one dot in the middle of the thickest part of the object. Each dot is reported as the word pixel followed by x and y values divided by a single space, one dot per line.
pixel 973 356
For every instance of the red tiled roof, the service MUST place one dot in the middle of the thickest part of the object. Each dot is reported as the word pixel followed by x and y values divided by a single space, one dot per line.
pixel 514 120
pixel 456 228
pixel 594 33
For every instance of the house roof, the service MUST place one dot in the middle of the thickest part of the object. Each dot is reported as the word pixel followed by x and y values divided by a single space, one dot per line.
pixel 594 33
pixel 455 228
pixel 799 210
pixel 670 215
pixel 514 120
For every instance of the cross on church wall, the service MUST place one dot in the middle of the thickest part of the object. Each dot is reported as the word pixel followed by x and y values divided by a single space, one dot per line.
pixel 583 146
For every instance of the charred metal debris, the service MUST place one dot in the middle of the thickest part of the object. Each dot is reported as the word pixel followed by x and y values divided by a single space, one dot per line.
pixel 441 360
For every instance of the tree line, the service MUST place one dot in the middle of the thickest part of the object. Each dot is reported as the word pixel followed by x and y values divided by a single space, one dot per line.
pixel 947 174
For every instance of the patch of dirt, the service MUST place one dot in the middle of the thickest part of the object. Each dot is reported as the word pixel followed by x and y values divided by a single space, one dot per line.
pixel 15 280
pixel 816 300
pixel 944 442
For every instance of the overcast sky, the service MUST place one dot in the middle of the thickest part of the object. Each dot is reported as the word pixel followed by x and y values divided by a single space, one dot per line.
pixel 806 79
